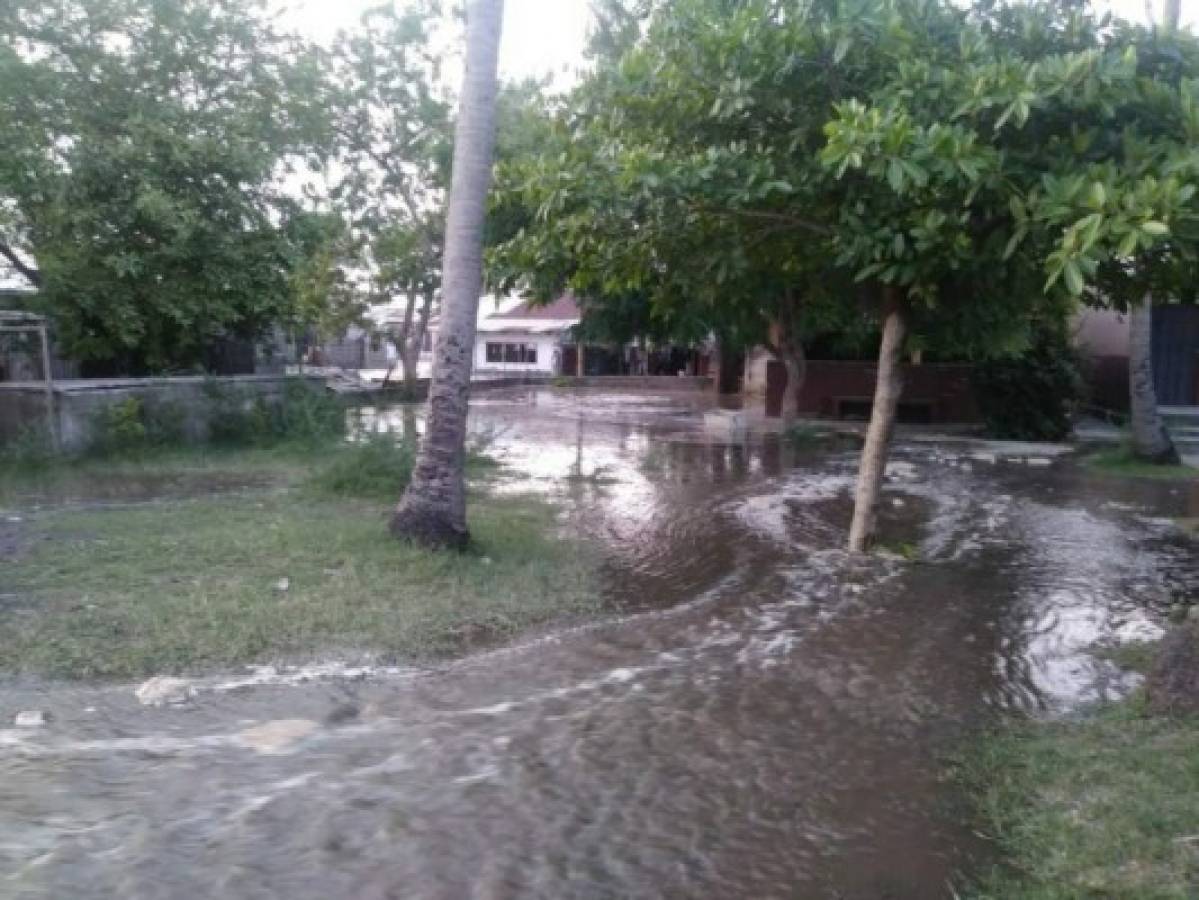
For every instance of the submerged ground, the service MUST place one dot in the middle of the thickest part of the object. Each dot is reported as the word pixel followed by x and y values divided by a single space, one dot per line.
pixel 744 713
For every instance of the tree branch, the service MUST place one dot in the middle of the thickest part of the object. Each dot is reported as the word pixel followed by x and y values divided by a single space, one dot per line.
pixel 32 275
pixel 767 216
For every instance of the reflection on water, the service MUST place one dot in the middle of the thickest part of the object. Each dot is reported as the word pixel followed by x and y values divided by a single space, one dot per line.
pixel 760 717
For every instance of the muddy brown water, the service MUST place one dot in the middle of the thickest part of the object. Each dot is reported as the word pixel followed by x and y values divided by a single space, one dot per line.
pixel 758 716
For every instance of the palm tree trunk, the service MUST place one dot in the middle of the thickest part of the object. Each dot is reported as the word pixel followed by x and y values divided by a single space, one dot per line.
pixel 888 387
pixel 433 509
pixel 1150 440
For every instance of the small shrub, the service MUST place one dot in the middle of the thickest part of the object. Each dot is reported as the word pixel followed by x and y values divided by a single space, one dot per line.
pixel 164 423
pixel 304 413
pixel 1031 397
pixel 309 413
pixel 30 449
pixel 377 467
pixel 119 427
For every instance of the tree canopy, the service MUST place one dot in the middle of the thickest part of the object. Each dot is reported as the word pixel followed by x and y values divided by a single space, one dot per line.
pixel 992 162
pixel 146 142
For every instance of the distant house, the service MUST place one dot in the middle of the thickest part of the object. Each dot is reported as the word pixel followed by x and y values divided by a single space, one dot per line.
pixel 529 338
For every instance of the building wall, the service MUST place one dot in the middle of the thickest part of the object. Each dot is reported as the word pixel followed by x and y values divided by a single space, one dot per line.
pixel 756 362
pixel 549 352
pixel 1101 332
pixel 933 392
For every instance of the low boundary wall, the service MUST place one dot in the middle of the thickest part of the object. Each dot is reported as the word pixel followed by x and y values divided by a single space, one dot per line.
pixel 80 404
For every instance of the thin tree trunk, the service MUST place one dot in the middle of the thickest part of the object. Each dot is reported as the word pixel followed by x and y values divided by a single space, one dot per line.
pixel 409 359
pixel 790 353
pixel 1173 12
pixel 888 387
pixel 401 337
pixel 28 272
pixel 414 341
pixel 433 509
pixel 796 366
pixel 1150 440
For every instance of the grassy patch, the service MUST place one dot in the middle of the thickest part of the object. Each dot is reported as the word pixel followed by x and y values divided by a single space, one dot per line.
pixel 195 579
pixel 1189 525
pixel 1120 461
pixel 1135 656
pixel 1104 807
pixel 157 472
pixel 169 588
pixel 380 467
pixel 804 434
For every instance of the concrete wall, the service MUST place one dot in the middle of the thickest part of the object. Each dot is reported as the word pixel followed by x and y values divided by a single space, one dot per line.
pixel 1101 332
pixel 649 383
pixel 80 405
pixel 756 362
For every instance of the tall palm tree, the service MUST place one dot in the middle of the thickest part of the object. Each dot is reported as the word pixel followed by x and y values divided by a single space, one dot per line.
pixel 1150 440
pixel 433 508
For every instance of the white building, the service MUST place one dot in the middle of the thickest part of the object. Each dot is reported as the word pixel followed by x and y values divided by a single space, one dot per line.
pixel 528 338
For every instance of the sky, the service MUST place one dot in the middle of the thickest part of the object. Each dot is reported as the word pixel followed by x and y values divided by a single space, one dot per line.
pixel 546 37
pixel 541 37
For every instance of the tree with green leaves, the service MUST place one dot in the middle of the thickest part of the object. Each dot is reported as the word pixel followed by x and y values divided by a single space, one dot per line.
pixel 144 144
pixel 433 508
pixel 407 256
pixel 1150 440
pixel 1019 143
pixel 393 123
pixel 913 161
pixel 328 295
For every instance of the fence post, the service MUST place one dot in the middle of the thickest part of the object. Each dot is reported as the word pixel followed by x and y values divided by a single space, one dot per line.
pixel 48 377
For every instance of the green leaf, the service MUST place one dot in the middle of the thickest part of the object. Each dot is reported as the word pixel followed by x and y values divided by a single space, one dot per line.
pixel 1074 281
pixel 1155 229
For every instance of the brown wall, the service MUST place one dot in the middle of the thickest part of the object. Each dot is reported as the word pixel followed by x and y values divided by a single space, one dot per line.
pixel 933 392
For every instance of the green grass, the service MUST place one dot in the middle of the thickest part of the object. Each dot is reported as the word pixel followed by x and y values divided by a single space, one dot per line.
pixel 1135 656
pixel 1120 461
pixel 185 584
pixel 807 434
pixel 157 472
pixel 1189 525
pixel 1105 807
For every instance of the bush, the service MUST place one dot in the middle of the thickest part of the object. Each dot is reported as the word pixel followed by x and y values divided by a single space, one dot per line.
pixel 30 449
pixel 377 467
pixel 119 426
pixel 304 413
pixel 1031 397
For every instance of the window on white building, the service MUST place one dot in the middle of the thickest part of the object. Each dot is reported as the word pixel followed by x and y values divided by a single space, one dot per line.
pixel 511 353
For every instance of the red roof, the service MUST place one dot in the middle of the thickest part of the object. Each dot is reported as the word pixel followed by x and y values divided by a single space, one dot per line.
pixel 564 307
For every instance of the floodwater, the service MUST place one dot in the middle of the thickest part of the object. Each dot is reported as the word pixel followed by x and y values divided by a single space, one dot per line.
pixel 759 716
